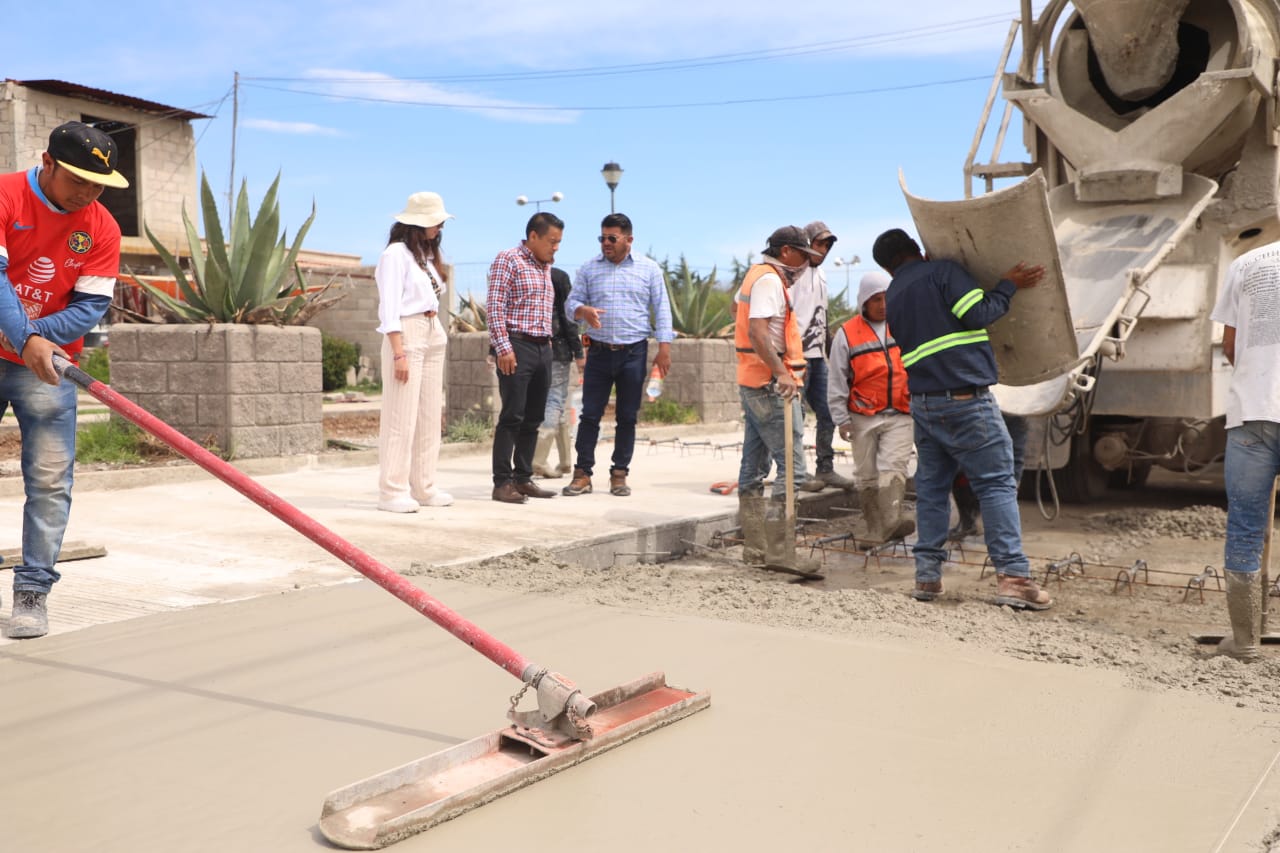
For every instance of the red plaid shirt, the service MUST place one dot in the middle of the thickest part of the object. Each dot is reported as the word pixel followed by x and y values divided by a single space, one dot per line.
pixel 520 297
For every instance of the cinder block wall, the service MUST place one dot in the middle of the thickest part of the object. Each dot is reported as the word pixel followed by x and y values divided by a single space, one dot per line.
pixel 471 383
pixel 252 391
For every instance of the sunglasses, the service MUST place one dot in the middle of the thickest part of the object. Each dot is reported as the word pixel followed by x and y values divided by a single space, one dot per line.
pixel 608 238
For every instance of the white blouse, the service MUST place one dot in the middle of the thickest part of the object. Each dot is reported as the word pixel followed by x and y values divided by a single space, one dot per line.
pixel 404 288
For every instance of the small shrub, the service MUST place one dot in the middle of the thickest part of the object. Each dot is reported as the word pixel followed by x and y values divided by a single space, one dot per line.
pixel 667 411
pixel 97 364
pixel 337 357
pixel 470 429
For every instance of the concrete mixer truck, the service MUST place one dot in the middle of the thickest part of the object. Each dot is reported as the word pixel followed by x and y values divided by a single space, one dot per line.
pixel 1151 131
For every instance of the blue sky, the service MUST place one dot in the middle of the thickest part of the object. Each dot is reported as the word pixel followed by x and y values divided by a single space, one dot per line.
pixel 729 117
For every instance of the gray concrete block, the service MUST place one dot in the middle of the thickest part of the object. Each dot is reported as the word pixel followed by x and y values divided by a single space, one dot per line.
pixel 197 378
pixel 253 378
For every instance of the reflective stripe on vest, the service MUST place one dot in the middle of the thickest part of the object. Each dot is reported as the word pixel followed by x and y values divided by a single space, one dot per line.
pixel 964 303
pixel 752 372
pixel 879 376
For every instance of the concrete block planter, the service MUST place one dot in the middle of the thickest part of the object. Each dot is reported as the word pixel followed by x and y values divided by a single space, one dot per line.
pixel 251 391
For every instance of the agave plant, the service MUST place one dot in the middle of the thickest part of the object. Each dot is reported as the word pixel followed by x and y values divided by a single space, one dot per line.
pixel 472 316
pixel 699 308
pixel 252 277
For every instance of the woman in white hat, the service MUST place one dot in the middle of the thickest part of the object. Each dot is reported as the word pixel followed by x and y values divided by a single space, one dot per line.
pixel 410 283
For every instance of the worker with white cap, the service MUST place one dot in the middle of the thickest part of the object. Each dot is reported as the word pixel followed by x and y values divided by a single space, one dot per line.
pixel 869 403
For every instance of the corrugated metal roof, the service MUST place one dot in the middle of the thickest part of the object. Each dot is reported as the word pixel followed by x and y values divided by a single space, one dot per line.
pixel 102 96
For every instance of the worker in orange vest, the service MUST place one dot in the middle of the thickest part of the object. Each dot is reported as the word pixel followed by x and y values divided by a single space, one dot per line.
pixel 868 398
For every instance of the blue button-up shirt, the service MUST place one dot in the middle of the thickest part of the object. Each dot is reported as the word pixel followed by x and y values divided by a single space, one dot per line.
pixel 632 295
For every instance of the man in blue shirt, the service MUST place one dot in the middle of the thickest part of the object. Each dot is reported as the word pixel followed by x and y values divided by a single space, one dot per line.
pixel 623 299
pixel 939 316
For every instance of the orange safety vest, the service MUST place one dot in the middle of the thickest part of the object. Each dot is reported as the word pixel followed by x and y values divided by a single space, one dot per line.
pixel 752 371
pixel 879 379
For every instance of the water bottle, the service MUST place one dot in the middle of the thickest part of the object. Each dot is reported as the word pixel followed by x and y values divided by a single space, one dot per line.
pixel 575 409
pixel 654 389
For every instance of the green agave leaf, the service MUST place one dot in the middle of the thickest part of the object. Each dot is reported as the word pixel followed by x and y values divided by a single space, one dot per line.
pixel 214 239
pixel 239 258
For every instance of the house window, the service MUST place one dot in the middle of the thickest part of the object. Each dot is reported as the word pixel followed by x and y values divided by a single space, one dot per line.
pixel 123 203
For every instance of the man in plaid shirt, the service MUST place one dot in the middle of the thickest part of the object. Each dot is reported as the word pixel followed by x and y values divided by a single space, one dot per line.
pixel 519 305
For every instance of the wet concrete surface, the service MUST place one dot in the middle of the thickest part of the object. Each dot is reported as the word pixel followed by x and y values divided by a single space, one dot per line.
pixel 272 678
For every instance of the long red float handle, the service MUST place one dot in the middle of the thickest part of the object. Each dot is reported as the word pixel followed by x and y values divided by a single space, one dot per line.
pixel 466 631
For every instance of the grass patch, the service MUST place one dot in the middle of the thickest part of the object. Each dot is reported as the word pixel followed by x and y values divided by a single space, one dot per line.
pixel 470 428
pixel 667 411
pixel 118 442
pixel 97 364
pixel 110 441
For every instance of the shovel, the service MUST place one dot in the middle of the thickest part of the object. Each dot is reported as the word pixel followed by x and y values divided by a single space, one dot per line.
pixel 568 727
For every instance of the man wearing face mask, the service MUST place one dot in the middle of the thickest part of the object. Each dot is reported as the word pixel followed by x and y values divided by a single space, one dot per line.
pixel 770 375
pixel 809 297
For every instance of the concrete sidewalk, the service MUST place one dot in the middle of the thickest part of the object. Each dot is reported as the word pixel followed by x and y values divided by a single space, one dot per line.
pixel 222 727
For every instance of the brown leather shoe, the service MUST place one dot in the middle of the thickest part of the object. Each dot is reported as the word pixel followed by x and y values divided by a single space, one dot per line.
pixel 579 485
pixel 1021 593
pixel 927 590
pixel 618 483
pixel 507 493
pixel 529 490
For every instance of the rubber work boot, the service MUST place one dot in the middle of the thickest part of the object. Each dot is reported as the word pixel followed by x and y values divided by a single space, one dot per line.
pixel 869 503
pixel 618 483
pixel 542 455
pixel 579 485
pixel 1244 607
pixel 751 518
pixel 780 540
pixel 30 618
pixel 1021 593
pixel 895 526
pixel 968 508
pixel 564 448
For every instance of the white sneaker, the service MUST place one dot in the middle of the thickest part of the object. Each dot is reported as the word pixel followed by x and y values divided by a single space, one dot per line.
pixel 439 499
pixel 398 505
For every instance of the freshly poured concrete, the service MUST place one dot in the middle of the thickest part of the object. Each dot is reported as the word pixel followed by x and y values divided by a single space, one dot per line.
pixel 222 728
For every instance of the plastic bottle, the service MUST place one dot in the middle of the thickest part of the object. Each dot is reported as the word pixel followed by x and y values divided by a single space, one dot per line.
pixel 654 389
pixel 575 409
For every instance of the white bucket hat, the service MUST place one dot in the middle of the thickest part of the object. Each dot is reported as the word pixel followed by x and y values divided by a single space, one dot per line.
pixel 424 210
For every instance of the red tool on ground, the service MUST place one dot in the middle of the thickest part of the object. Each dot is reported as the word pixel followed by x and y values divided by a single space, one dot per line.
pixel 567 727
pixel 725 487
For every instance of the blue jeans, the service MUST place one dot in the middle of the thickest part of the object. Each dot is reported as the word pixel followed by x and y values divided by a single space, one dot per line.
pixel 47 421
pixel 764 439
pixel 966 436
pixel 557 394
pixel 815 394
pixel 1252 464
pixel 609 369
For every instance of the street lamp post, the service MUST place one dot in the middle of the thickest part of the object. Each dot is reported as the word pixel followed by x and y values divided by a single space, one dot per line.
pixel 538 202
pixel 612 173
pixel 853 261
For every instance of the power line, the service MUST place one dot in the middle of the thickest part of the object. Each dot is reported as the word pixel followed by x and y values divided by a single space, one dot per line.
pixel 624 107
pixel 875 39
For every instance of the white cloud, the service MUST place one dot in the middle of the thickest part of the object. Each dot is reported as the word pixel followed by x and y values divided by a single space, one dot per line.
pixel 383 88
pixel 302 128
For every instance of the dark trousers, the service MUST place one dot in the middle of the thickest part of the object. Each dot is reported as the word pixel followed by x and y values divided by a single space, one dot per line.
pixel 524 400
pixel 607 369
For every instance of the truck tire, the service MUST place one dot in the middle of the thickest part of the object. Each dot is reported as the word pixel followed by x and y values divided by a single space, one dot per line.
pixel 1082 480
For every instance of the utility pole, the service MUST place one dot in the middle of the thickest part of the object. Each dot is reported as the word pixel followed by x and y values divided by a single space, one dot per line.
pixel 235 119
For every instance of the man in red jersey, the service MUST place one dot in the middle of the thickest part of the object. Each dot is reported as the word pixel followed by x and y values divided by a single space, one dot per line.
pixel 59 256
